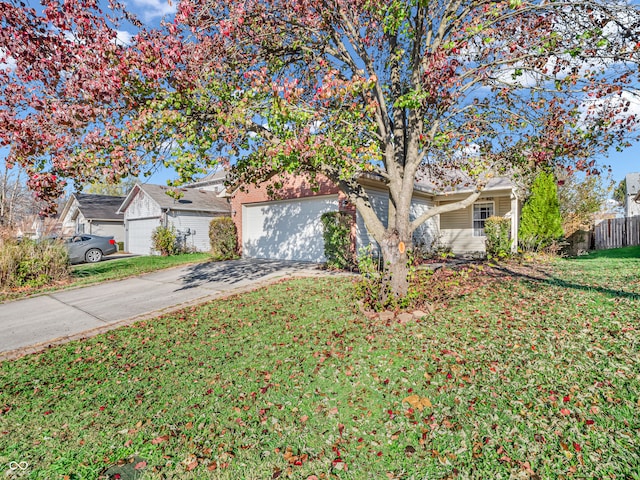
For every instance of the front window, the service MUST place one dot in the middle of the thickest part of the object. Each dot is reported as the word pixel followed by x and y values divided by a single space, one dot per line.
pixel 481 211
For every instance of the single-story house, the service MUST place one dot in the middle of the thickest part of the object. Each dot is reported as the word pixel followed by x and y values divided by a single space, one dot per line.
pixel 287 225
pixel 93 214
pixel 148 207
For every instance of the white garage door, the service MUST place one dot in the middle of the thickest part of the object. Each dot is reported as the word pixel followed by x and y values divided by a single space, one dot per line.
pixel 139 235
pixel 286 230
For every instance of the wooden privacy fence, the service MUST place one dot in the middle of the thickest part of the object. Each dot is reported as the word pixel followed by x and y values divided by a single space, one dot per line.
pixel 617 232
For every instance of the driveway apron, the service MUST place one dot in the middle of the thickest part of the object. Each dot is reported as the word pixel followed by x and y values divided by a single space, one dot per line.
pixel 34 323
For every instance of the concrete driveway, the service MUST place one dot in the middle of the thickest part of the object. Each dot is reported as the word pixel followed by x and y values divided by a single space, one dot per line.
pixel 33 324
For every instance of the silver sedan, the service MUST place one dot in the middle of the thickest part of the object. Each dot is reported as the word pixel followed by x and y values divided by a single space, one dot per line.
pixel 89 248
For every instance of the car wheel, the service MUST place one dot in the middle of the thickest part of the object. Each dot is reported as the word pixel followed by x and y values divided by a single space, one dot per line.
pixel 92 256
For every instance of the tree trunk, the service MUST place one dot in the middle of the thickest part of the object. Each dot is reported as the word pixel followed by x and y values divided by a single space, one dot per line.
pixel 395 282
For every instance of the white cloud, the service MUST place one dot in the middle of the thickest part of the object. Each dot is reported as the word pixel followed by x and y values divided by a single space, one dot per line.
pixel 7 62
pixel 124 38
pixel 152 9
pixel 622 107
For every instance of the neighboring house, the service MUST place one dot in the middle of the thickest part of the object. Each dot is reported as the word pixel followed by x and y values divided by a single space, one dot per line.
pixel 213 182
pixel 93 214
pixel 148 207
pixel 287 226
pixel 631 205
pixel 36 226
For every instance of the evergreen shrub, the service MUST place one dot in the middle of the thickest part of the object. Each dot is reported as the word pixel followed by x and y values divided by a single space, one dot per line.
pixel 336 231
pixel 541 223
pixel 498 233
pixel 223 237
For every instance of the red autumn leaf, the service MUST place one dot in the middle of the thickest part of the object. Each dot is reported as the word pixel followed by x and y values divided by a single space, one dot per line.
pixel 566 398
pixel 160 439
pixel 577 446
pixel 140 465
pixel 565 411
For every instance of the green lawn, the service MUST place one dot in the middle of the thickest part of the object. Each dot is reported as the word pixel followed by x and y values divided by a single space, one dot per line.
pixel 90 273
pixel 527 373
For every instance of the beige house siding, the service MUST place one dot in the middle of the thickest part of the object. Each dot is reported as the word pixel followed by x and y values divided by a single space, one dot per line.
pixel 456 228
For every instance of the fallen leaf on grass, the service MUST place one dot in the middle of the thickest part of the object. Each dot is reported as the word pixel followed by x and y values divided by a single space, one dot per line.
pixel 418 402
pixel 161 439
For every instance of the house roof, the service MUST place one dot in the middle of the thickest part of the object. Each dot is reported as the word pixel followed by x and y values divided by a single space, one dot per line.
pixel 95 207
pixel 219 176
pixel 425 185
pixel 192 199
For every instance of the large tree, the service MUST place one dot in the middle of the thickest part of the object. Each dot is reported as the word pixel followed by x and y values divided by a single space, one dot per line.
pixel 456 91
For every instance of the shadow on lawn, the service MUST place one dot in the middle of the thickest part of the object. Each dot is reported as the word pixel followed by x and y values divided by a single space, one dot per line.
pixel 238 272
pixel 539 275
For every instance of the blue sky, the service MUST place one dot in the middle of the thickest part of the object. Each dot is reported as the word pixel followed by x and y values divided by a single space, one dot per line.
pixel 152 11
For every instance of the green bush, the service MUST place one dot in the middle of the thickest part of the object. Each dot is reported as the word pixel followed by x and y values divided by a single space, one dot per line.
pixel 32 263
pixel 498 233
pixel 336 231
pixel 165 241
pixel 223 236
pixel 541 223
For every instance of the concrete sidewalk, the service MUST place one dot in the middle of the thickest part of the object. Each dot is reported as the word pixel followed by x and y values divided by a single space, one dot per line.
pixel 35 323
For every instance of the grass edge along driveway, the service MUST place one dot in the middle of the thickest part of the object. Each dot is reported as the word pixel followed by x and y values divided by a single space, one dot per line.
pixel 113 268
pixel 531 374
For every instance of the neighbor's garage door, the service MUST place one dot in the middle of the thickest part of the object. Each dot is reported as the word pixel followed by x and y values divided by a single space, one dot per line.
pixel 287 229
pixel 139 235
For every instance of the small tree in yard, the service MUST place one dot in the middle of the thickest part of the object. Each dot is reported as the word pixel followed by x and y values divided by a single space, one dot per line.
pixel 580 199
pixel 541 223
pixel 223 236
pixel 455 90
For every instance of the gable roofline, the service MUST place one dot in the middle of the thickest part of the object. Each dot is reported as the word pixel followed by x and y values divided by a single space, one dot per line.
pixel 67 205
pixel 192 200
pixel 129 198
pixel 94 207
